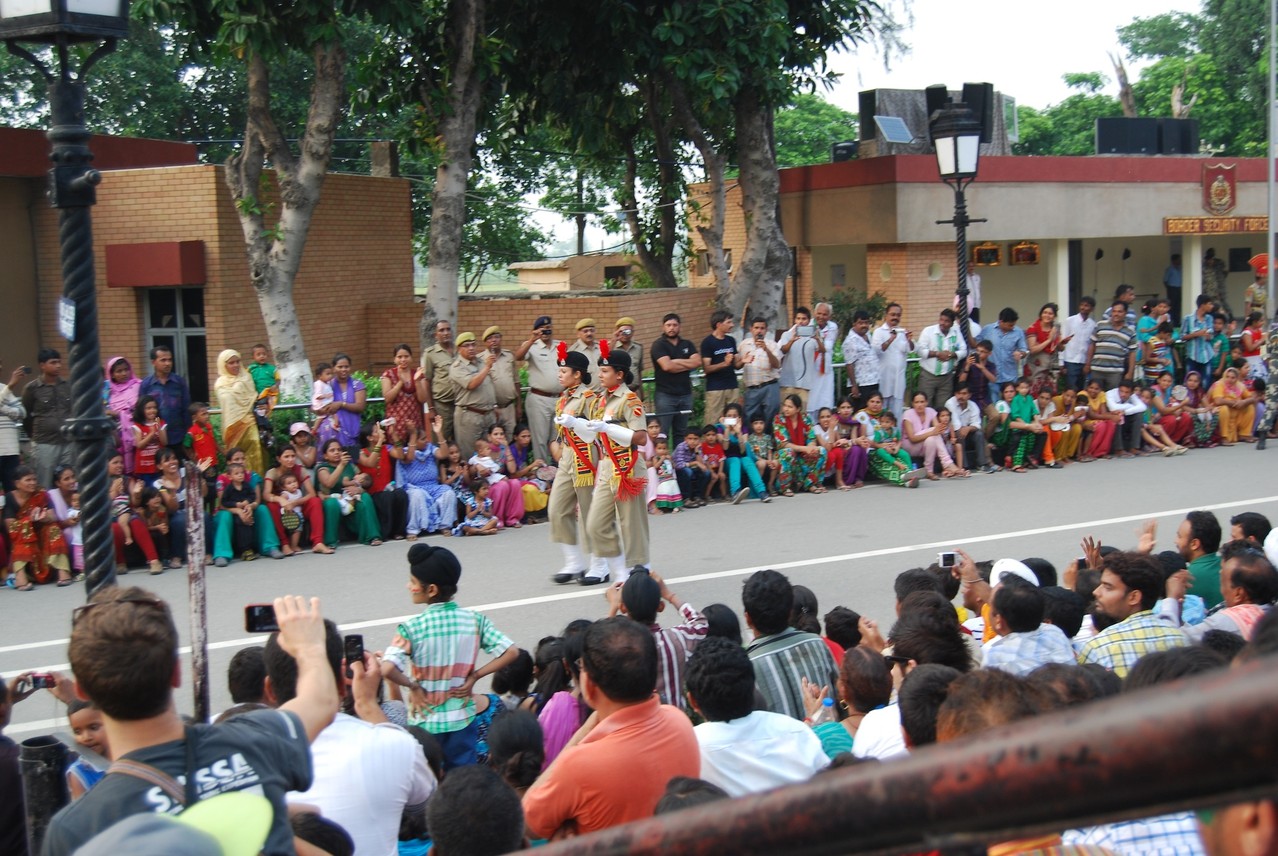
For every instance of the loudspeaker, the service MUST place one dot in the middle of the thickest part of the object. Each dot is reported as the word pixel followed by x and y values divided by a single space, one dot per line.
pixel 843 151
pixel 979 97
pixel 1178 136
pixel 1124 136
pixel 869 106
pixel 938 98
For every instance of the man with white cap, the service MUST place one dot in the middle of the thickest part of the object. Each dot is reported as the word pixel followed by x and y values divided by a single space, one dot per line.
pixel 541 352
pixel 505 375
pixel 587 345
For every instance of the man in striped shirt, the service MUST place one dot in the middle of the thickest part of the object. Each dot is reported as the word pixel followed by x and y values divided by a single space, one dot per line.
pixel 1112 354
pixel 782 656
pixel 640 598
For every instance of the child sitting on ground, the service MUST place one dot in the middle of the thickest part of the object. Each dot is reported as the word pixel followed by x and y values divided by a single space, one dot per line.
pixel 764 448
pixel 153 512
pixel 291 496
pixel 479 519
pixel 889 461
pixel 668 496
pixel 239 498
pixel 713 453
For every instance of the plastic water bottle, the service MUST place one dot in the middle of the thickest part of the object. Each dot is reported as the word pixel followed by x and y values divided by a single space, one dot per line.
pixel 825 714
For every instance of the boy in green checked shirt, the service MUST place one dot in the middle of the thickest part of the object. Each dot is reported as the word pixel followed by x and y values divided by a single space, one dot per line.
pixel 434 655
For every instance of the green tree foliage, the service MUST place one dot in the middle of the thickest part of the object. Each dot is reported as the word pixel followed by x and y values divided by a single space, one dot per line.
pixel 1067 128
pixel 807 127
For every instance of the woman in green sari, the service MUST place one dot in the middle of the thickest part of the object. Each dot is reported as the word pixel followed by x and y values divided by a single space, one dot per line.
pixel 344 496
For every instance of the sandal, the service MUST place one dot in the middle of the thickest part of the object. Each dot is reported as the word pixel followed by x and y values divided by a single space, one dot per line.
pixel 27 587
pixel 65 583
pixel 1018 469
pixel 787 492
pixel 817 490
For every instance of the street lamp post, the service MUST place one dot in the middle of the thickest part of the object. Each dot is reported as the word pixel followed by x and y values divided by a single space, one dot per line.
pixel 62 24
pixel 956 133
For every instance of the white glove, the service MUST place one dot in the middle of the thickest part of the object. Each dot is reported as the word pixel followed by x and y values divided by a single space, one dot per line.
pixel 620 434
pixel 578 426
pixel 564 419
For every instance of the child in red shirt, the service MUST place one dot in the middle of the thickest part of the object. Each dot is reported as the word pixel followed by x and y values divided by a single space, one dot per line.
pixel 713 453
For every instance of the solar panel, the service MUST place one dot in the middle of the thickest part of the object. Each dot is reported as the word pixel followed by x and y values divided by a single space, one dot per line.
pixel 894 129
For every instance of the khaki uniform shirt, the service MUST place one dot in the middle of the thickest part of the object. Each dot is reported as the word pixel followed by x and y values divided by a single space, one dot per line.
pixel 581 401
pixel 463 371
pixel 437 362
pixel 543 366
pixel 592 354
pixel 635 350
pixel 505 377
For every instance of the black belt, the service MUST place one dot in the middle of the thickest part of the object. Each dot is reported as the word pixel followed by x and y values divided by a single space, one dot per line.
pixel 762 385
pixel 542 393
pixel 482 411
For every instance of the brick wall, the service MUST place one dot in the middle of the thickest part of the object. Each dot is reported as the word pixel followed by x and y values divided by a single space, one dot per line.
pixel 922 278
pixel 390 323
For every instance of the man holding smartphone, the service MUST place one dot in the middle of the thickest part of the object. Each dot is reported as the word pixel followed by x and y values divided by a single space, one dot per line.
pixel 800 346
pixel 761 373
pixel 893 344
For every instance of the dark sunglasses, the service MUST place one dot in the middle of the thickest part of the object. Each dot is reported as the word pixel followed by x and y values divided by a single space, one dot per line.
pixel 79 611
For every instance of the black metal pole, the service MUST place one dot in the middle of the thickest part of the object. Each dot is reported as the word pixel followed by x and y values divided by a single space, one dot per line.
pixel 43 762
pixel 71 190
pixel 961 222
pixel 196 590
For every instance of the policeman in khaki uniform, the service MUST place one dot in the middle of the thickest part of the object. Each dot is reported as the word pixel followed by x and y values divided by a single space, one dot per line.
pixel 618 517
pixel 575 448
pixel 587 345
pixel 505 377
pixel 542 353
pixel 436 362
pixel 476 403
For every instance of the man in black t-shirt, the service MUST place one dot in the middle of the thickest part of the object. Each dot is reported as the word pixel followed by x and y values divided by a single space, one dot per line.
pixel 672 359
pixel 124 652
pixel 720 359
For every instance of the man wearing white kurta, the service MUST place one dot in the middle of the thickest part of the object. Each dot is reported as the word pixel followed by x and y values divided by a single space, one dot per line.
pixel 822 394
pixel 893 344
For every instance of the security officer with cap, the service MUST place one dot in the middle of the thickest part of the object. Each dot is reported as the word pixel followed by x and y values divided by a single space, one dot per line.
pixel 577 454
pixel 542 354
pixel 475 407
pixel 623 340
pixel 618 521
pixel 587 345
pixel 505 377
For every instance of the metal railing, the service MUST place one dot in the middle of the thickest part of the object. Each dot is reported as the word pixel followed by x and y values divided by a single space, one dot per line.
pixel 1205 742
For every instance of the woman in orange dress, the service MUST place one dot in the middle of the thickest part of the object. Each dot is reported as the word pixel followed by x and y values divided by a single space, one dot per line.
pixel 35 539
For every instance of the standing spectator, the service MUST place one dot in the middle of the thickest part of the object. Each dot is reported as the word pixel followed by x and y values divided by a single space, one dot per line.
pixel 1196 331
pixel 941 349
pixel 674 358
pixel 122 396
pixel 744 750
pixel 505 375
pixel 1126 295
pixel 827 333
pixel 236 395
pixel 434 655
pixel 1077 337
pixel 1173 281
pixel 720 359
pixel 476 396
pixel 404 390
pixel 620 767
pixel 47 400
pixel 1130 585
pixel 172 393
pixel 893 344
pixel 587 345
pixel 436 361
pixel 349 400
pixel 761 372
pixel 623 340
pixel 124 652
pixel 640 598
pixel 1111 356
pixel 1214 273
pixel 1046 340
pixel 12 414
pixel 800 346
pixel 861 359
pixel 977 372
pixel 1010 346
pixel 782 656
pixel 540 351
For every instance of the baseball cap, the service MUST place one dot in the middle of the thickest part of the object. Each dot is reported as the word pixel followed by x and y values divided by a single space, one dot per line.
pixel 1006 567
pixel 298 428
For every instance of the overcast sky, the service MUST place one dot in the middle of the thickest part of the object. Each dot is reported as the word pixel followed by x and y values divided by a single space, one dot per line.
pixel 1022 48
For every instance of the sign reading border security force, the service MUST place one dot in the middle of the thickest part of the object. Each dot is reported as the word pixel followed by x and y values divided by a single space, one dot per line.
pixel 1213 225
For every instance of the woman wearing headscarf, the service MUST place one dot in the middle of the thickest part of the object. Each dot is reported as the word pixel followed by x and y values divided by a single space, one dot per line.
pixel 121 395
pixel 236 395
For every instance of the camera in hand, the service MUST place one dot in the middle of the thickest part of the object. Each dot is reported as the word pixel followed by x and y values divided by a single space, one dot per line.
pixel 947 559
pixel 260 618
pixel 805 330
pixel 40 681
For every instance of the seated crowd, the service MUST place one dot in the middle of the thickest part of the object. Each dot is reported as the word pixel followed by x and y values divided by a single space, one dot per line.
pixel 617 717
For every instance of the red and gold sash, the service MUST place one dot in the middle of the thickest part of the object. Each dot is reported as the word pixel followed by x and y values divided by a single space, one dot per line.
pixel 583 466
pixel 625 457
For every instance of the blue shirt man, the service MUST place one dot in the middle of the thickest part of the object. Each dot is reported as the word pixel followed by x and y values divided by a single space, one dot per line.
pixel 1009 344
pixel 171 393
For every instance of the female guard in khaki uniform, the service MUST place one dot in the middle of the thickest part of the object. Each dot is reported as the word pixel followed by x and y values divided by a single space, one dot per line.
pixel 618 511
pixel 578 456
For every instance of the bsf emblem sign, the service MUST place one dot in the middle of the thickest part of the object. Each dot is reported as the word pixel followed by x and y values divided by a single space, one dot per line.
pixel 1220 189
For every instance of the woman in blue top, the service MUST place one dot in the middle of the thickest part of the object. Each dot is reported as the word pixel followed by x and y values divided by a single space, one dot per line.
pixel 432 507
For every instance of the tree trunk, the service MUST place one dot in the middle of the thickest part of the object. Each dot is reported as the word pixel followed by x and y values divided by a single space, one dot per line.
pixel 711 230
pixel 1125 96
pixel 457 133
pixel 658 268
pixel 759 277
pixel 275 252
